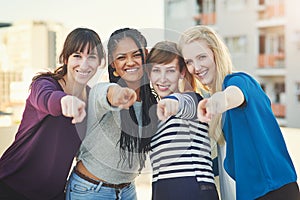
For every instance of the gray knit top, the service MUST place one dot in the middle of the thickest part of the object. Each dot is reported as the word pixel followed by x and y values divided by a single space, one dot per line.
pixel 100 151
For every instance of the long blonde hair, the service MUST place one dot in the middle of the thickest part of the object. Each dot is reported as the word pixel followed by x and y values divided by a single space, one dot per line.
pixel 223 63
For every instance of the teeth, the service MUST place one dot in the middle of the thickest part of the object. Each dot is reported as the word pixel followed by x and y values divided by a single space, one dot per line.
pixel 131 70
pixel 202 73
pixel 82 73
pixel 163 86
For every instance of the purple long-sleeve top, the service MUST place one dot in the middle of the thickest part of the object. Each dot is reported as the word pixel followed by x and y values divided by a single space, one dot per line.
pixel 38 162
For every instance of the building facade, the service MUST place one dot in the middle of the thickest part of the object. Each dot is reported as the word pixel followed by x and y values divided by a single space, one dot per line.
pixel 26 47
pixel 263 37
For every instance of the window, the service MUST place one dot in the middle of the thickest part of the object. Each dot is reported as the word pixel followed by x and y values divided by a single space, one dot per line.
pixel 177 9
pixel 237 45
pixel 261 2
pixel 279 89
pixel 263 87
pixel 206 12
pixel 235 4
pixel 298 91
pixel 206 6
pixel 271 43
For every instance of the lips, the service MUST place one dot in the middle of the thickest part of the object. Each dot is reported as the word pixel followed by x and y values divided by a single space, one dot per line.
pixel 202 73
pixel 83 73
pixel 163 87
pixel 131 70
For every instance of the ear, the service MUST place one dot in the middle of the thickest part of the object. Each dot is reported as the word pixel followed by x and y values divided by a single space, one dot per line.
pixel 148 74
pixel 146 52
pixel 182 73
pixel 65 61
pixel 112 65
pixel 148 71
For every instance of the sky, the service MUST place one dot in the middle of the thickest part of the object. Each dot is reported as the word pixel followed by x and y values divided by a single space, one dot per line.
pixel 104 16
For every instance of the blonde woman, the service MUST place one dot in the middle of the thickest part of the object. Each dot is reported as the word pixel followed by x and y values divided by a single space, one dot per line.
pixel 256 154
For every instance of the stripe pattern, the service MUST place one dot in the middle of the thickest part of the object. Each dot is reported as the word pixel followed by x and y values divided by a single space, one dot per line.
pixel 181 148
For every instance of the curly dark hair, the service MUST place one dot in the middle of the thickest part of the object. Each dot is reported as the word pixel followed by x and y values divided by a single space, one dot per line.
pixel 130 140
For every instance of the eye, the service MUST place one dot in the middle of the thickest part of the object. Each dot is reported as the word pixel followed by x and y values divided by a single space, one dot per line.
pixel 155 70
pixel 137 55
pixel 76 55
pixel 202 57
pixel 92 57
pixel 120 58
pixel 188 62
pixel 171 70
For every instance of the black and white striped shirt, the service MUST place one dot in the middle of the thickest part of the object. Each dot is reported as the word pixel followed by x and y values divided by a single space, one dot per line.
pixel 181 146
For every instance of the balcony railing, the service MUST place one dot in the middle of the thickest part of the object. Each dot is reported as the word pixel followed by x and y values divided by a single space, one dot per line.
pixel 278 110
pixel 272 11
pixel 271 60
pixel 206 18
pixel 276 10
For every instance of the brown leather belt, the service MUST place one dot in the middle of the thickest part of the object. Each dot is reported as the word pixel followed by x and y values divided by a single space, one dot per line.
pixel 115 186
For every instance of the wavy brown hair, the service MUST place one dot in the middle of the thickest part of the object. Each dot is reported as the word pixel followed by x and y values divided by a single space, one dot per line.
pixel 165 52
pixel 77 40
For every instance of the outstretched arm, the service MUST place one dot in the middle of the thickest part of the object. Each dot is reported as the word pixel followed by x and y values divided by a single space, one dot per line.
pixel 182 105
pixel 220 102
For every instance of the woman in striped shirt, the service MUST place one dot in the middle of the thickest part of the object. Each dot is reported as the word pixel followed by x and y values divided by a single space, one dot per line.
pixel 180 150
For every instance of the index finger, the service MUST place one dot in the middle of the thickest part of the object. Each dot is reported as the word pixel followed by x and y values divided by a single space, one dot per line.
pixel 129 99
pixel 79 117
pixel 202 111
pixel 160 110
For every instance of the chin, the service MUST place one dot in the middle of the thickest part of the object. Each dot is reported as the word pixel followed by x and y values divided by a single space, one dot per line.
pixel 82 82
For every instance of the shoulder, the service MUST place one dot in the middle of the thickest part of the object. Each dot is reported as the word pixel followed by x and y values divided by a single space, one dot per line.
pixel 101 87
pixel 239 79
pixel 185 95
pixel 98 97
pixel 239 76
pixel 45 81
pixel 235 76
pixel 195 95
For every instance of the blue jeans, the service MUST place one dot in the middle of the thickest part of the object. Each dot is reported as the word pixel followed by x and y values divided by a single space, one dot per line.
pixel 78 188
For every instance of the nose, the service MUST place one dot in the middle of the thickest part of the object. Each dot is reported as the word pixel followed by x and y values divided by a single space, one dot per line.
pixel 84 62
pixel 197 66
pixel 162 77
pixel 129 61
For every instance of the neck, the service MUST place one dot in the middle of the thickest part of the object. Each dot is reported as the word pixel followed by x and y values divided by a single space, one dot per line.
pixel 176 91
pixel 138 97
pixel 136 87
pixel 74 89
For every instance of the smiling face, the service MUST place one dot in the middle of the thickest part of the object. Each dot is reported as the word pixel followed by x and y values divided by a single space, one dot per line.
pixel 127 61
pixel 82 66
pixel 165 78
pixel 199 59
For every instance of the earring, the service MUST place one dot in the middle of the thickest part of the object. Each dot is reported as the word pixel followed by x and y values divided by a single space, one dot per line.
pixel 115 73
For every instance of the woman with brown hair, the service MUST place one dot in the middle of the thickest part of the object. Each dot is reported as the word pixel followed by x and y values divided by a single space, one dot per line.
pixel 37 164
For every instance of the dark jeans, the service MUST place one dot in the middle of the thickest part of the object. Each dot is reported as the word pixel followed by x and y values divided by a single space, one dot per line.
pixel 287 192
pixel 183 188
